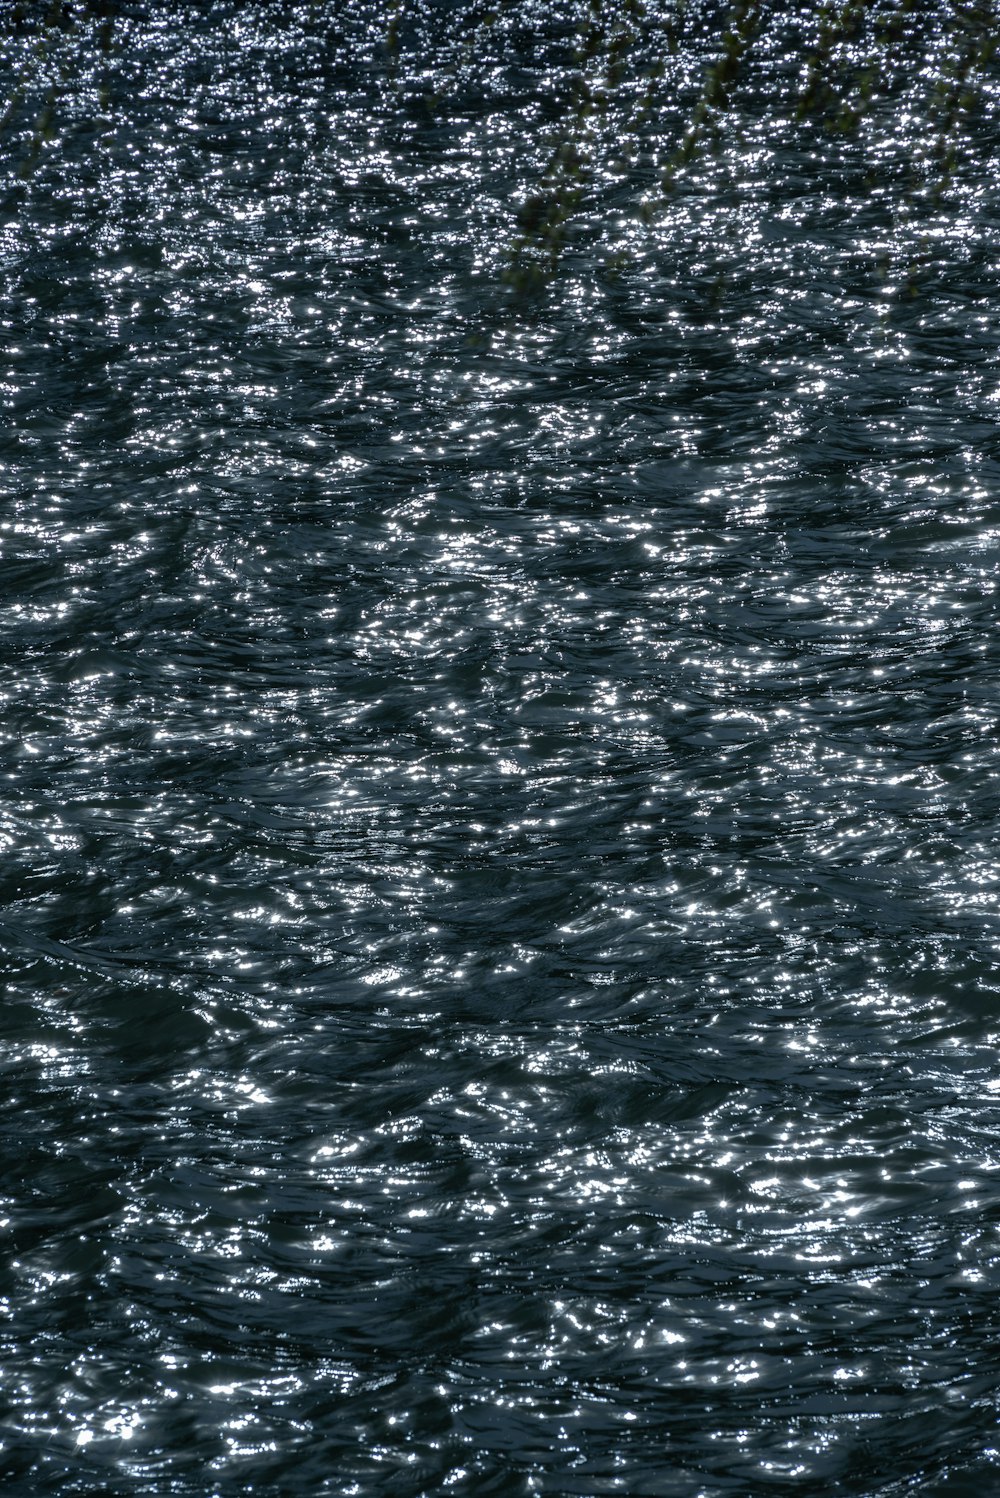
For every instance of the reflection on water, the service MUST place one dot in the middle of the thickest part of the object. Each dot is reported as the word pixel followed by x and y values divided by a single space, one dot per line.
pixel 500 899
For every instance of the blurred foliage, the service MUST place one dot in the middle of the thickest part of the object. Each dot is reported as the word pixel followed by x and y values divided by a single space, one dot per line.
pixel 847 61
pixel 854 60
pixel 53 29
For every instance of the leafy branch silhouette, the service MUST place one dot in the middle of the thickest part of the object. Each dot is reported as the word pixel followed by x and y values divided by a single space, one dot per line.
pixel 853 57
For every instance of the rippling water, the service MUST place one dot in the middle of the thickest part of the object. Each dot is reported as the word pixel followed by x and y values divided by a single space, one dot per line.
pixel 499 807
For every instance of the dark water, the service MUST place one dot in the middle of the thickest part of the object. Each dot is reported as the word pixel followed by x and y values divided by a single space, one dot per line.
pixel 500 789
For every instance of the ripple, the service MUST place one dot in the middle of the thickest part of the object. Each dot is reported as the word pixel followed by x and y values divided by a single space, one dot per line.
pixel 500 911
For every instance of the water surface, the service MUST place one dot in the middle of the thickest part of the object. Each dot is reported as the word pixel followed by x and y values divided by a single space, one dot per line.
pixel 499 807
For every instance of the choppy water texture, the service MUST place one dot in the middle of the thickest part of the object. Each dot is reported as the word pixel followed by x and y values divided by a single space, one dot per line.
pixel 499 803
